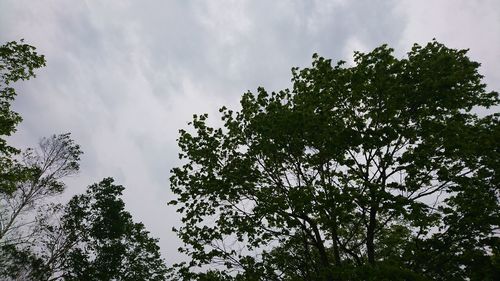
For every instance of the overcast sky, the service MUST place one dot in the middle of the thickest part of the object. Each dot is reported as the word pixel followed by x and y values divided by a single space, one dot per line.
pixel 124 76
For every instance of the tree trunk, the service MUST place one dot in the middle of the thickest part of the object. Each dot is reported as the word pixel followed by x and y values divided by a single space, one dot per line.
pixel 370 235
pixel 318 243
pixel 323 255
pixel 335 238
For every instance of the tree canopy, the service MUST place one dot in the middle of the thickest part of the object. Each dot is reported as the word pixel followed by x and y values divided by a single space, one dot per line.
pixel 105 242
pixel 382 169
pixel 18 61
pixel 94 238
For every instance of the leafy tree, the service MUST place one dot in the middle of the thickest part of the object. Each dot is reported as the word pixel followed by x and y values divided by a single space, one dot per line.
pixel 17 62
pixel 94 238
pixel 380 168
pixel 28 180
pixel 21 264
pixel 27 213
pixel 103 241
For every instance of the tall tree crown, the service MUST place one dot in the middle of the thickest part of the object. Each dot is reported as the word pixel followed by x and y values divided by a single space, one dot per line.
pixel 380 164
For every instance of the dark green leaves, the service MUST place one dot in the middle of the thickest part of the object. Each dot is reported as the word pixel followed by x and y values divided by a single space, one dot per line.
pixel 105 243
pixel 348 164
pixel 17 62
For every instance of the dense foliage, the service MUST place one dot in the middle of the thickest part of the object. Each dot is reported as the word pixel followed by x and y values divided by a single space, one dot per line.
pixel 378 170
pixel 105 243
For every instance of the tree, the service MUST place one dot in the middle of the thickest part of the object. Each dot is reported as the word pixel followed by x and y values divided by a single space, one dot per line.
pixel 39 178
pixel 17 62
pixel 94 238
pixel 28 180
pixel 27 213
pixel 103 242
pixel 382 167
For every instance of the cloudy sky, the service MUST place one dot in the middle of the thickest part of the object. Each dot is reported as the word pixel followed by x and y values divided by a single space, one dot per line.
pixel 124 76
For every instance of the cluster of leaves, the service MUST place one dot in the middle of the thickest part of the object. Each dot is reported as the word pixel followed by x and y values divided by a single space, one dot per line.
pixel 17 62
pixel 380 165
pixel 108 245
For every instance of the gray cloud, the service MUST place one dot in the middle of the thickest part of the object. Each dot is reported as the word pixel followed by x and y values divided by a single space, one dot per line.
pixel 124 76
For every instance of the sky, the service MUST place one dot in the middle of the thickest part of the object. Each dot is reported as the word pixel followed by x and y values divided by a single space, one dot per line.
pixel 124 76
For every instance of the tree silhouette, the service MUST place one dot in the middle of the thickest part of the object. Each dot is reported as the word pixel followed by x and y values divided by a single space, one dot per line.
pixel 18 61
pixel 378 170
pixel 106 243
pixel 92 237
pixel 95 238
